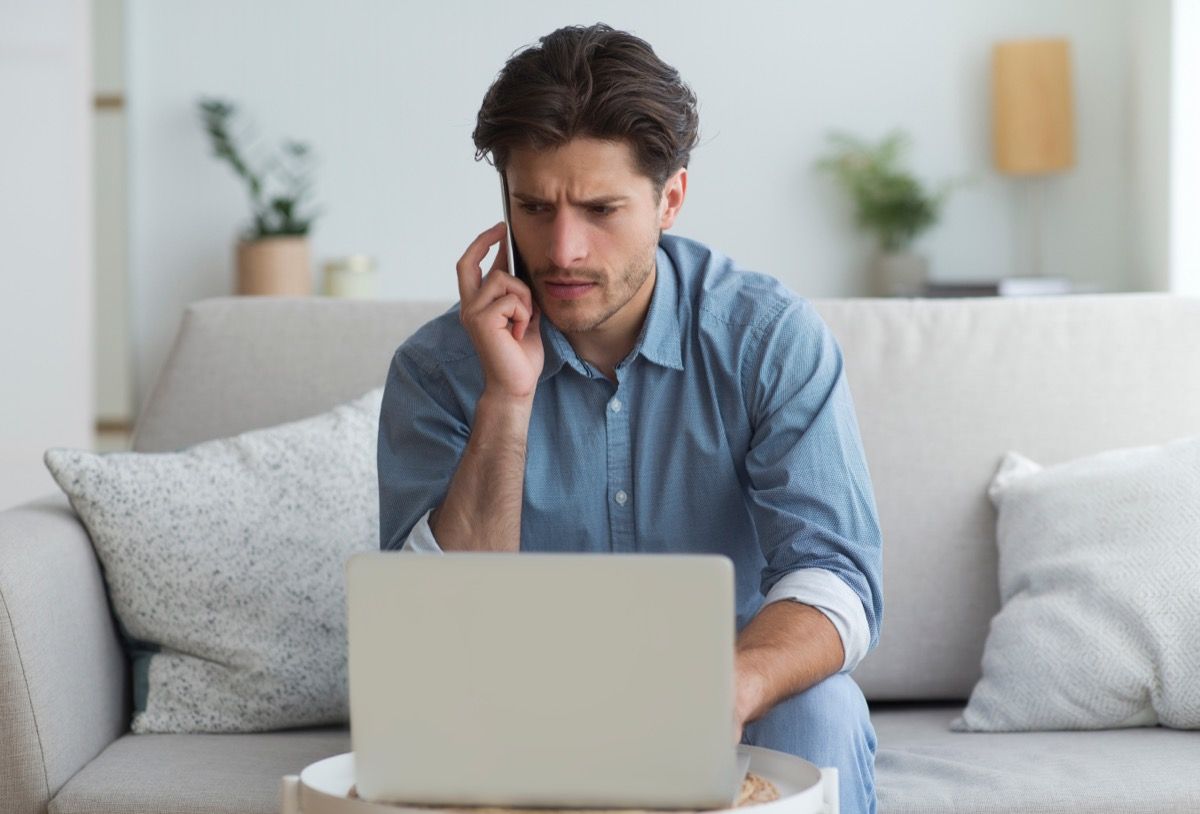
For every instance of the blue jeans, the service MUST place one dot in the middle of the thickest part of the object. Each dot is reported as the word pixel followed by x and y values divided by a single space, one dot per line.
pixel 827 725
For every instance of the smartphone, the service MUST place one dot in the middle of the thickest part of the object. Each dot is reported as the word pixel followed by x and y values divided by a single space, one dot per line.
pixel 516 266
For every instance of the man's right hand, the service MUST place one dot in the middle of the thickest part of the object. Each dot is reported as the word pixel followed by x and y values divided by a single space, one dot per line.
pixel 482 509
pixel 501 318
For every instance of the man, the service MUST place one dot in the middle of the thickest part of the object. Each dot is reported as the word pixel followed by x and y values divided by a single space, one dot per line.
pixel 636 392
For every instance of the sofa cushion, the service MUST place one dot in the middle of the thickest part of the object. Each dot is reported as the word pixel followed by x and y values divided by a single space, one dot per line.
pixel 241 363
pixel 224 563
pixel 942 388
pixel 1099 565
pixel 195 774
pixel 923 767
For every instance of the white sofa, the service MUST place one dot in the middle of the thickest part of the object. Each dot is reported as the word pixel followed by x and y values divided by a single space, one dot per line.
pixel 943 388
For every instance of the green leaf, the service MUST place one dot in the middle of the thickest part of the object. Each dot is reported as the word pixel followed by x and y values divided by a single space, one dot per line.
pixel 279 216
pixel 283 206
pixel 888 200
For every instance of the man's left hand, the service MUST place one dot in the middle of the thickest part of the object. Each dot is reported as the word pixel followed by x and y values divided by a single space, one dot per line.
pixel 748 695
pixel 787 648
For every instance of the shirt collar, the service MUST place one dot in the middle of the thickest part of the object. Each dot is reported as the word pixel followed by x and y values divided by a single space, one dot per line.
pixel 659 337
pixel 659 340
pixel 558 351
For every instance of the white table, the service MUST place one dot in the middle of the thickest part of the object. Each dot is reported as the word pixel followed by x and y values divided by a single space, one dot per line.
pixel 322 787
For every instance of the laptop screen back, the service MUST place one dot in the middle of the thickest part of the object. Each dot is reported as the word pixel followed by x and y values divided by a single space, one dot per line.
pixel 564 680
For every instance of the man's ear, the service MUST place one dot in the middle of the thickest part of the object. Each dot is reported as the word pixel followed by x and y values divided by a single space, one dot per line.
pixel 674 191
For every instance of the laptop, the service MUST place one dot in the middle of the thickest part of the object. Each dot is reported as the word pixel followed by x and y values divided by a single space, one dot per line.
pixel 543 680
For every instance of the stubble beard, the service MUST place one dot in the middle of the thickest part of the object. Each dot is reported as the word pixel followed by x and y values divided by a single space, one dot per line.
pixel 567 316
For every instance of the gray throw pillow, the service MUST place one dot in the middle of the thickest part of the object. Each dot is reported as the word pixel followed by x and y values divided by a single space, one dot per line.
pixel 1099 573
pixel 224 565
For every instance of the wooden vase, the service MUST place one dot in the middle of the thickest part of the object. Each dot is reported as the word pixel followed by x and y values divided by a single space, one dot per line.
pixel 899 274
pixel 274 266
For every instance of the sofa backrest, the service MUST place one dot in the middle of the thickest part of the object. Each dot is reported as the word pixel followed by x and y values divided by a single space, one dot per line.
pixel 943 388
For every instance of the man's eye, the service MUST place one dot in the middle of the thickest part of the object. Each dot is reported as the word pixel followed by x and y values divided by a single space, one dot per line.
pixel 532 209
pixel 602 210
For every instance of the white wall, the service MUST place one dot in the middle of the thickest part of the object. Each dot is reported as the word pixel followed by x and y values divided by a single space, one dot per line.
pixel 114 353
pixel 45 230
pixel 1150 138
pixel 1184 161
pixel 388 92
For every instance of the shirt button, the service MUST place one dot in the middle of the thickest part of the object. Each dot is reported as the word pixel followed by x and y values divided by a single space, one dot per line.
pixel 621 497
pixel 615 405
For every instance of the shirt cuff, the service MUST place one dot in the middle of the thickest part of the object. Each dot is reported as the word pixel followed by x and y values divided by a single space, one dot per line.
pixel 825 591
pixel 420 539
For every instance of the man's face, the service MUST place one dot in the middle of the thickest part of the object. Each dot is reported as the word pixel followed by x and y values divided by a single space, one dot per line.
pixel 582 214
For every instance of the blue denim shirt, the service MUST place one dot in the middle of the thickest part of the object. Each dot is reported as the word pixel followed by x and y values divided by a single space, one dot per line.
pixel 730 430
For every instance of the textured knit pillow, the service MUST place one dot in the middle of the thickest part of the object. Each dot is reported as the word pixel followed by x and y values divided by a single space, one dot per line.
pixel 1100 584
pixel 224 565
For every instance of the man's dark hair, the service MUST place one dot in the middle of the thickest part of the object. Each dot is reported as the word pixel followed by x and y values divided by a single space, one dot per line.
pixel 592 82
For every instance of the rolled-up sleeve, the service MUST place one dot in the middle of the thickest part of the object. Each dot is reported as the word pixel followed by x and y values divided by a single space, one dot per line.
pixel 422 436
pixel 810 491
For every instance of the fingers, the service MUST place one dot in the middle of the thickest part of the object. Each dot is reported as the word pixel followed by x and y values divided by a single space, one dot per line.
pixel 497 284
pixel 496 309
pixel 499 281
pixel 501 260
pixel 508 307
pixel 535 322
pixel 470 273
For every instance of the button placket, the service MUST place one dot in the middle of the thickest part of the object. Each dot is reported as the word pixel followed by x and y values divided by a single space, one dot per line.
pixel 620 472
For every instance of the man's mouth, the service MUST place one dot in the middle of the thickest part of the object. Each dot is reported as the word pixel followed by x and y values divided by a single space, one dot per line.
pixel 568 289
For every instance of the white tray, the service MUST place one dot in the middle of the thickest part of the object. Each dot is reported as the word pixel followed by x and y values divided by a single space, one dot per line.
pixel 321 788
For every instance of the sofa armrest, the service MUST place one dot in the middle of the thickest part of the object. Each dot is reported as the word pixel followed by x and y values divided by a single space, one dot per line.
pixel 63 676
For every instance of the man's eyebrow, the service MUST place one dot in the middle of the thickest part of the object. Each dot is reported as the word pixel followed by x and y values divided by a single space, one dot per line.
pixel 604 200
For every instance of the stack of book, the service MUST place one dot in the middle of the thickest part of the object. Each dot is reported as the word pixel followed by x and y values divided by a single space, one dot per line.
pixel 1004 287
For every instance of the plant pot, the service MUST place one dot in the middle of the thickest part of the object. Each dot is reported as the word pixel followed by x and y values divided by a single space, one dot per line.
pixel 899 274
pixel 274 266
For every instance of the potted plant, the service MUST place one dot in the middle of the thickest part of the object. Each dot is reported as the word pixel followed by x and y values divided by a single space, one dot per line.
pixel 889 202
pixel 273 255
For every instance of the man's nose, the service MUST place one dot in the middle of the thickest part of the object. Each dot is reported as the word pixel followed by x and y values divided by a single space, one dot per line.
pixel 568 240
